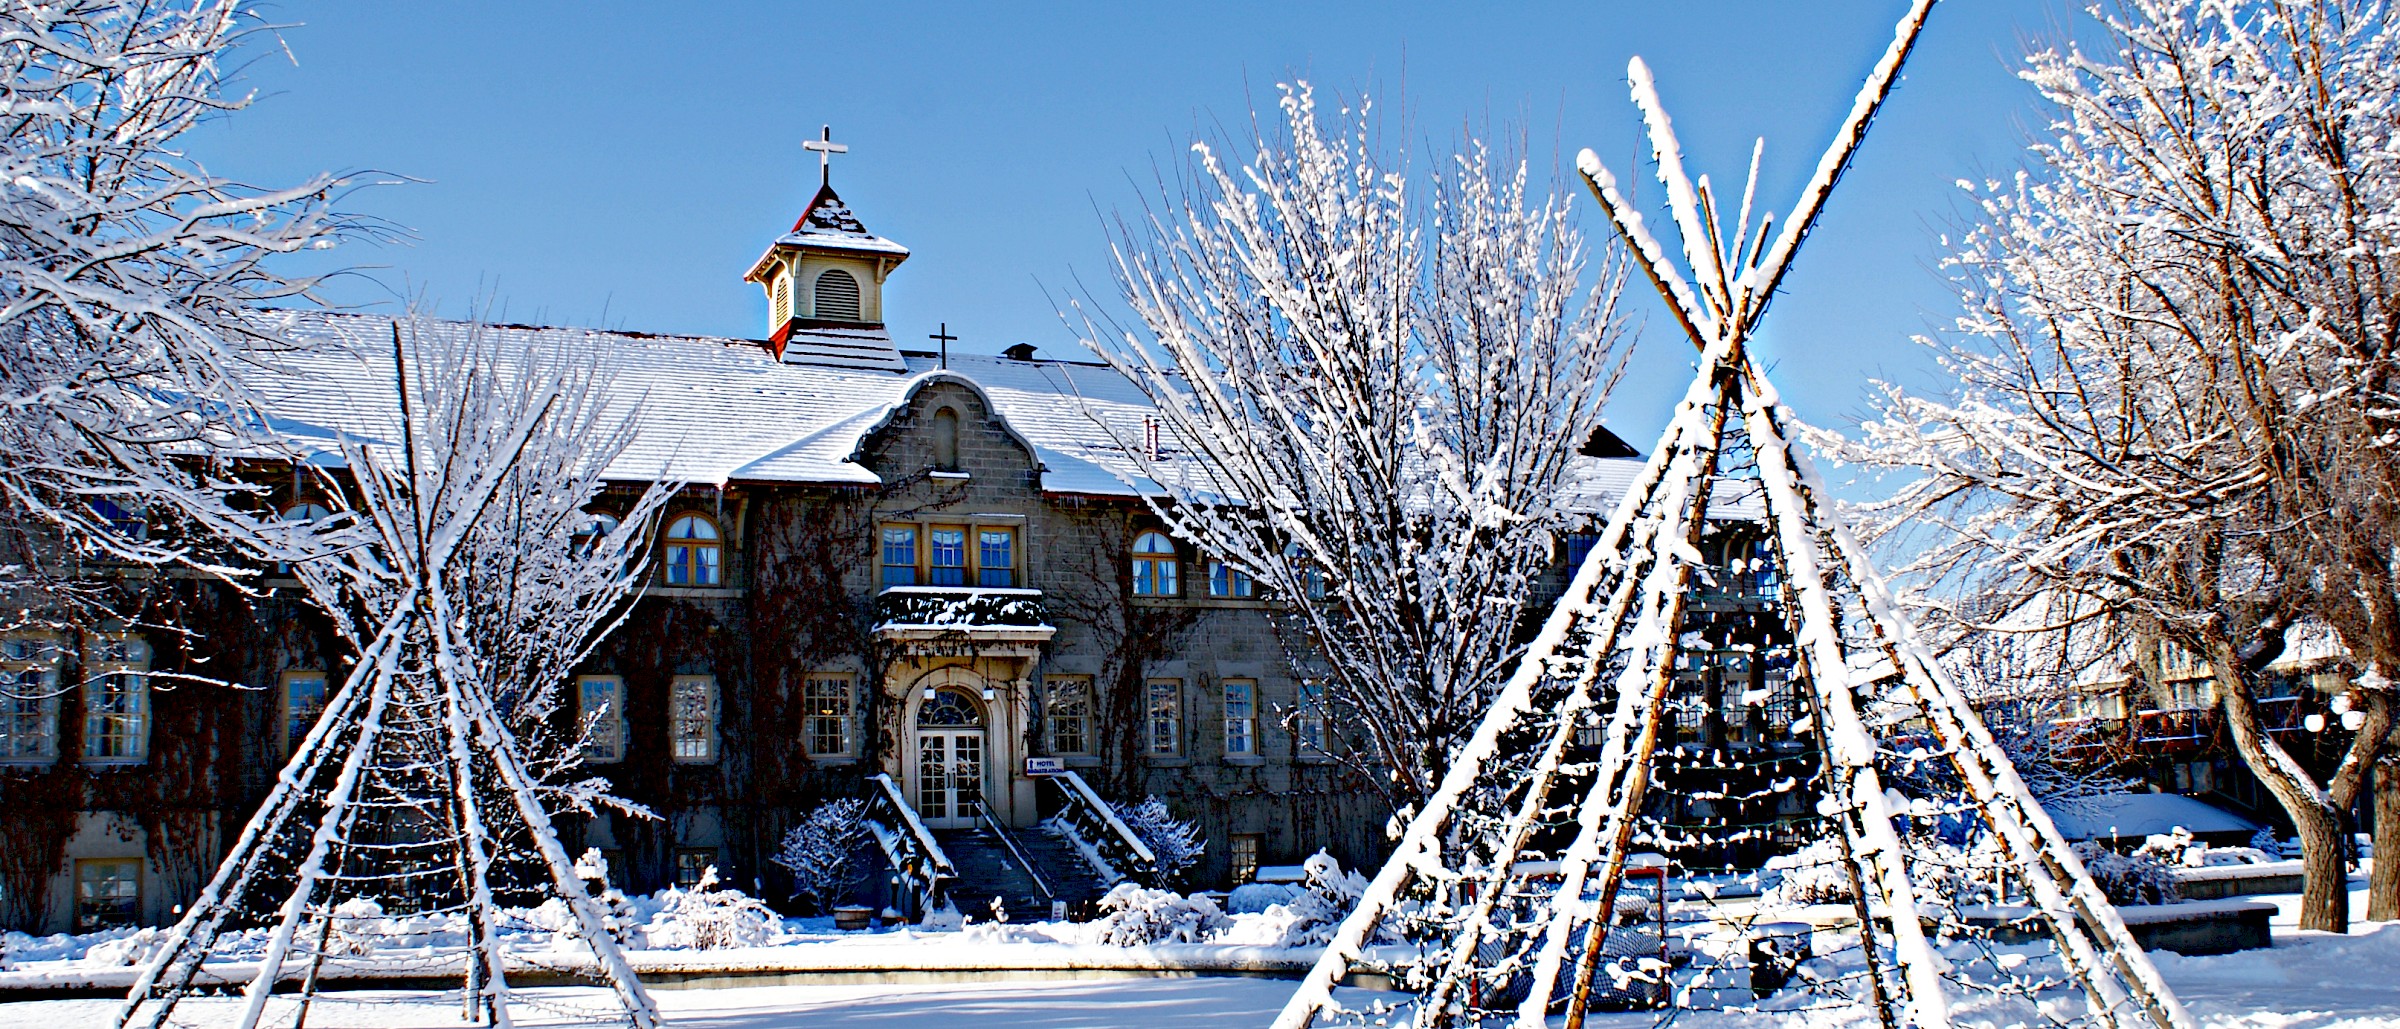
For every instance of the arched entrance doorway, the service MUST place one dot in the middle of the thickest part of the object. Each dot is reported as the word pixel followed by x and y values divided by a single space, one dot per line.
pixel 952 756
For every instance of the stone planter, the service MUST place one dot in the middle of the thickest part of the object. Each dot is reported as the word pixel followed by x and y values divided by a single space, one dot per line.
pixel 2200 926
pixel 2186 927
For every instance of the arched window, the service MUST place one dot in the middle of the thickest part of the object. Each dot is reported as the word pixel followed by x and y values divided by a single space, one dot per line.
pixel 949 708
pixel 1154 565
pixel 837 296
pixel 692 552
pixel 945 440
pixel 596 526
pixel 782 306
pixel 304 511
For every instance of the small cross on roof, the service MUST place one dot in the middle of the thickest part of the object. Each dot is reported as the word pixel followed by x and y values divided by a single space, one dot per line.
pixel 825 148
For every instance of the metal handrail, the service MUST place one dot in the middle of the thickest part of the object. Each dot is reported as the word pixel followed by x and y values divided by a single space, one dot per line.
pixel 1014 852
pixel 1097 825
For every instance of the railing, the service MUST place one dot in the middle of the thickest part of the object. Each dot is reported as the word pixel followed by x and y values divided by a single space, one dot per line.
pixel 1015 853
pixel 908 845
pixel 1105 840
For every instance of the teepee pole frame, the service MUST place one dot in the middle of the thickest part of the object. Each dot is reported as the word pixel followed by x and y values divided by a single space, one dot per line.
pixel 1651 540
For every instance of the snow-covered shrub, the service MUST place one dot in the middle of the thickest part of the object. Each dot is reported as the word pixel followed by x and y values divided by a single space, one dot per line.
pixel 827 852
pixel 1973 874
pixel 2136 878
pixel 1815 874
pixel 707 918
pixel 2175 847
pixel 1254 898
pixel 2265 842
pixel 134 948
pixel 1174 842
pixel 1137 916
pixel 357 924
pixel 1315 909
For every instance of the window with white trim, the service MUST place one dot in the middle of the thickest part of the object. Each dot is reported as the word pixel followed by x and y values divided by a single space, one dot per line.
pixel 826 696
pixel 692 718
pixel 1165 722
pixel 603 707
pixel 116 701
pixel 28 700
pixel 1067 712
pixel 1241 717
pixel 1308 721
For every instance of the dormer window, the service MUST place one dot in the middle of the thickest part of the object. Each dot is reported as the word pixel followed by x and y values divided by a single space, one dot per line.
pixel 837 296
pixel 1154 565
pixel 692 554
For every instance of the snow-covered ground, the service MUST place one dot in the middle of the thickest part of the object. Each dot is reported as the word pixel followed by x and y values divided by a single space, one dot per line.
pixel 2312 980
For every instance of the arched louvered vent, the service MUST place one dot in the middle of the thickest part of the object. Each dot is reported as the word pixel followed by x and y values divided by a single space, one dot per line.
pixel 783 303
pixel 837 297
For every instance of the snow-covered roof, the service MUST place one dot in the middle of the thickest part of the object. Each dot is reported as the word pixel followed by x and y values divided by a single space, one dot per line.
pixel 715 410
pixel 1593 485
pixel 828 223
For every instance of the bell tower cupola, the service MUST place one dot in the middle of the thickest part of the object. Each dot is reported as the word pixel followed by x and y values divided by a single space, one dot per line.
pixel 824 281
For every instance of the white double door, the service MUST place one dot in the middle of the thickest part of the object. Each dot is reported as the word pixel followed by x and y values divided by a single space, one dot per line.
pixel 950 776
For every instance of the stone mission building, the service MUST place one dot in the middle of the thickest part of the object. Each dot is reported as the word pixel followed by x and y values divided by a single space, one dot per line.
pixel 932 568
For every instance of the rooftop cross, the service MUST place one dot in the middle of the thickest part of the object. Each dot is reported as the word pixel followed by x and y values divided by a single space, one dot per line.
pixel 944 335
pixel 825 148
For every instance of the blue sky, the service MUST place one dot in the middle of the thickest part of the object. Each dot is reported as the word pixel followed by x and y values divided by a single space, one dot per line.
pixel 620 165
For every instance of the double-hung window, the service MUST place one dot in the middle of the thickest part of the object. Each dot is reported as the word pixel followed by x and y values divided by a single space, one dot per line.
pixel 1165 723
pixel 116 701
pixel 603 700
pixel 1308 721
pixel 899 555
pixel 1241 717
pixel 1067 710
pixel 28 701
pixel 827 701
pixel 692 718
pixel 995 557
pixel 948 565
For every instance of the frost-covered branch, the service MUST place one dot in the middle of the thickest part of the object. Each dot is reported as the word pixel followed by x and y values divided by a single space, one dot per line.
pixel 1371 386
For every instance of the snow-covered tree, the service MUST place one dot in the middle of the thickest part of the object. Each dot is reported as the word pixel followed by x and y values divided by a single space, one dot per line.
pixel 1175 843
pixel 826 853
pixel 2172 427
pixel 467 574
pixel 1370 384
pixel 128 274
